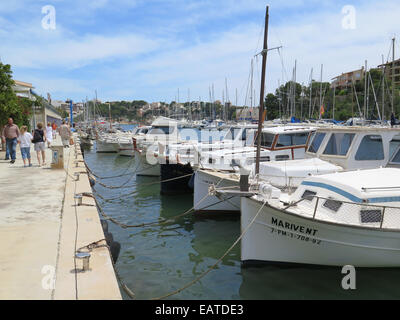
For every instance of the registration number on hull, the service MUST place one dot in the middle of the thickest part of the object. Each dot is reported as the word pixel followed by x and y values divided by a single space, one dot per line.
pixel 300 232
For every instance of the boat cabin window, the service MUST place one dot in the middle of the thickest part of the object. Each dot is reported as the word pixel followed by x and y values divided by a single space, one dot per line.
pixel 396 158
pixel 393 145
pixel 251 161
pixel 267 139
pixel 282 157
pixel 162 130
pixel 370 216
pixel 371 148
pixel 308 195
pixel 333 205
pixel 292 139
pixel 316 142
pixel 339 144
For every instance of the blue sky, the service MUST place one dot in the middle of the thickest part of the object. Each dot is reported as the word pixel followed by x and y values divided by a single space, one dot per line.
pixel 147 49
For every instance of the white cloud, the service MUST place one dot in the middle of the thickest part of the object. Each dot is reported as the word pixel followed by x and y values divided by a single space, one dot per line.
pixel 152 67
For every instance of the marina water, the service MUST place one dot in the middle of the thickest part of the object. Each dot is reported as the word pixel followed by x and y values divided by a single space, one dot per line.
pixel 158 260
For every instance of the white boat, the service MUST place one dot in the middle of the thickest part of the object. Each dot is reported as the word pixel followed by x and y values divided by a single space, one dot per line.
pixel 351 216
pixel 107 144
pixel 278 144
pixel 145 147
pixel 126 143
pixel 334 149
pixel 337 219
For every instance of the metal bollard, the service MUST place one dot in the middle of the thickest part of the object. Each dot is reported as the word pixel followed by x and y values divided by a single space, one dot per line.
pixel 79 198
pixel 85 257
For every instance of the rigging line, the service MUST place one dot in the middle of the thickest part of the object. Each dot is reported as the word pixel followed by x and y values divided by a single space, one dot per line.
pixel 284 71
pixel 218 261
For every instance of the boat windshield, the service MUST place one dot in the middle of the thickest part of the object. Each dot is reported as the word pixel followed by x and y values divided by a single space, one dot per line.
pixel 396 158
pixel 233 133
pixel 316 142
pixel 267 139
pixel 292 139
pixel 161 130
pixel 371 148
pixel 339 144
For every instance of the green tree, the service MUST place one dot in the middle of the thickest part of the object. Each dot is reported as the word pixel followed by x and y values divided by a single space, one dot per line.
pixel 8 100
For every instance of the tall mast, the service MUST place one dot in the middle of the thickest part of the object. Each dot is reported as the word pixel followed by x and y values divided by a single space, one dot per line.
pixel 320 92
pixel 393 56
pixel 334 100
pixel 309 110
pixel 261 110
pixel 365 90
pixel 383 90
pixel 109 114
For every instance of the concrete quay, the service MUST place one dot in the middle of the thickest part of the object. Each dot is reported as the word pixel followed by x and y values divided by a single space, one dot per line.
pixel 41 227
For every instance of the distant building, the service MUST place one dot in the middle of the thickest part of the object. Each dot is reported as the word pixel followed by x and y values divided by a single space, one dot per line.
pixel 23 89
pixel 389 67
pixel 247 114
pixel 346 80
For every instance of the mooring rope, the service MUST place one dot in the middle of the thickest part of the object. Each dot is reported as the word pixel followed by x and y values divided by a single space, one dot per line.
pixel 110 177
pixel 218 261
pixel 95 245
pixel 144 184
pixel 136 191
pixel 154 223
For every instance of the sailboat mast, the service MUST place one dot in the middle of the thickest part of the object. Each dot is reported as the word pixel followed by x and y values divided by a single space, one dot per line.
pixel 320 92
pixel 393 78
pixel 262 88
pixel 309 110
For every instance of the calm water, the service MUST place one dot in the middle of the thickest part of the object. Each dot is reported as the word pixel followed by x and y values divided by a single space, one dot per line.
pixel 157 260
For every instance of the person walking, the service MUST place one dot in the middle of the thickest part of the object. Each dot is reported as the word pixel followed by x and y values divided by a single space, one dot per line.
pixel 54 128
pixel 39 139
pixel 49 134
pixel 11 134
pixel 24 141
pixel 65 134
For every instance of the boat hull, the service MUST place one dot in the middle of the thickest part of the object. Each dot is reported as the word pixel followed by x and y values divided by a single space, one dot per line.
pixel 104 147
pixel 178 185
pixel 203 203
pixel 278 236
pixel 143 168
pixel 126 150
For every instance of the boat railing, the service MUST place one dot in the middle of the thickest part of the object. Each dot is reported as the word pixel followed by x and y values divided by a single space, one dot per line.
pixel 362 214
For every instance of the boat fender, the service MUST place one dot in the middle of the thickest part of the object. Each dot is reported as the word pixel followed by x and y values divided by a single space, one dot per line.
pixel 104 225
pixel 115 247
pixel 191 182
pixel 92 182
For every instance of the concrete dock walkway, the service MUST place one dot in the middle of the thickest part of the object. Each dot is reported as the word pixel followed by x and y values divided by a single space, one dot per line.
pixel 41 228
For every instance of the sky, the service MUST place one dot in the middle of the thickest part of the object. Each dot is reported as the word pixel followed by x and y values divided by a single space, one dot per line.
pixel 150 49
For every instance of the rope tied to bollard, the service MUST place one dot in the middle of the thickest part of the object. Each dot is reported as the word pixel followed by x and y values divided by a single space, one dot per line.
pixel 98 244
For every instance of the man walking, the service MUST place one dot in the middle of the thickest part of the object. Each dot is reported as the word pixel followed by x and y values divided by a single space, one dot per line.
pixel 65 134
pixel 11 134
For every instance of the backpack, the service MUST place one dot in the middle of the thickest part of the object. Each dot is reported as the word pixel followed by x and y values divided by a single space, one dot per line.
pixel 37 136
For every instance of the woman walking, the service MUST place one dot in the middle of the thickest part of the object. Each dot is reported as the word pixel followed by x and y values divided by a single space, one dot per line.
pixel 49 134
pixel 39 139
pixel 24 141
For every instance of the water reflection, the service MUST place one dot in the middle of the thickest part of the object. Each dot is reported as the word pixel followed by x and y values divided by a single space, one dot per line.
pixel 159 259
